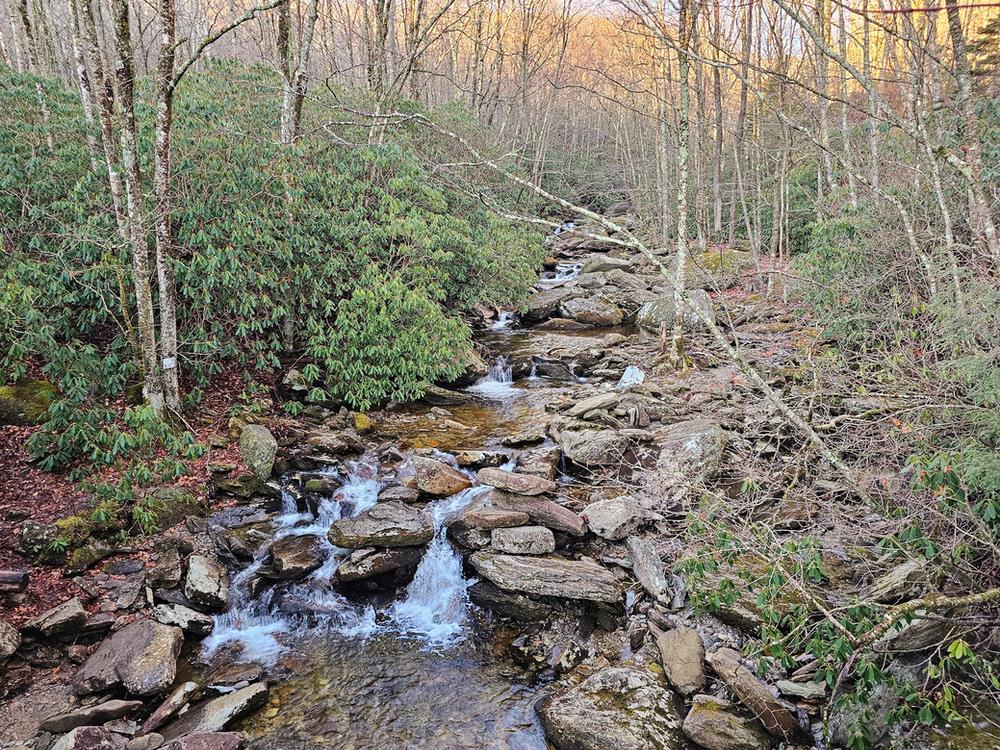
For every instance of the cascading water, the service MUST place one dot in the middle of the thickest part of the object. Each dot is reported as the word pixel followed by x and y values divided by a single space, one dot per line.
pixel 564 272
pixel 436 600
pixel 499 381
pixel 504 321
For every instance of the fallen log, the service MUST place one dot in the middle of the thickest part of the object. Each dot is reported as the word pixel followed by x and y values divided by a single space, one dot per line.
pixel 13 580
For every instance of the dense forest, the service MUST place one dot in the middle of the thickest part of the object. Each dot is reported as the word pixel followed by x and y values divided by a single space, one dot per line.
pixel 627 368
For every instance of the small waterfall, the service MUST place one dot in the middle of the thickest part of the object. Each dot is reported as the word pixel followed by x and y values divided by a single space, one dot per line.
pixel 436 603
pixel 504 321
pixel 564 272
pixel 499 381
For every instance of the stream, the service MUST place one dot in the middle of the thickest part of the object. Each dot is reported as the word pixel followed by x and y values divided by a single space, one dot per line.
pixel 428 668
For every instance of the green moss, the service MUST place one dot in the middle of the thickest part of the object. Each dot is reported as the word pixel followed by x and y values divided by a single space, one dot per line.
pixel 171 505
pixel 25 402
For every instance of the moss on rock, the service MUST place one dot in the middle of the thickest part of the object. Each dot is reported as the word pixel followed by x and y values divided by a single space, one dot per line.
pixel 25 402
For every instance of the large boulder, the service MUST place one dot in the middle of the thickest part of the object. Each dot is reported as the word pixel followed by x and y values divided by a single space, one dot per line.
pixel 594 310
pixel 25 402
pixel 141 657
pixel 544 305
pixel 601 263
pixel 98 713
pixel 391 524
pixel 615 518
pixel 258 449
pixel 548 576
pixel 207 583
pixel 713 723
pixel 777 716
pixel 524 540
pixel 656 312
pixel 216 714
pixel 690 453
pixel 62 619
pixel 907 580
pixel 437 478
pixel 594 447
pixel 294 557
pixel 519 484
pixel 540 511
pixel 370 562
pixel 508 603
pixel 682 655
pixel 90 738
pixel 619 708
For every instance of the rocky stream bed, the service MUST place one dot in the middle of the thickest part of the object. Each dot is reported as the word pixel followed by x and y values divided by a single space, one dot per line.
pixel 488 568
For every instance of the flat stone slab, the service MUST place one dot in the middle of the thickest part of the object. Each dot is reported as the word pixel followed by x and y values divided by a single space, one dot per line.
pixel 391 524
pixel 370 562
pixel 61 619
pixel 548 576
pixel 521 484
pixel 524 540
pixel 141 657
pixel 214 715
pixel 541 511
pixel 88 716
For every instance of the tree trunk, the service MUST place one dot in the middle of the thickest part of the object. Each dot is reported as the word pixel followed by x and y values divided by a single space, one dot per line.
pixel 31 48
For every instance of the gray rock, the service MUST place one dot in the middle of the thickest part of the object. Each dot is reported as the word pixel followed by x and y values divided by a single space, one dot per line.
pixel 296 556
pixel 905 581
pixel 90 738
pixel 207 583
pixel 141 657
pixel 481 459
pixel 656 312
pixel 600 263
pixel 187 619
pixel 778 716
pixel 151 741
pixel 488 519
pixel 88 716
pixel 682 655
pixel 65 618
pixel 541 512
pixel 384 525
pixel 10 639
pixel 437 478
pixel 807 691
pixel 400 494
pixel 615 518
pixel 594 447
pixel 870 719
pixel 258 449
pixel 171 706
pixel 216 714
pixel 542 461
pixel 369 562
pixel 524 540
pixel 713 724
pixel 648 568
pixel 619 708
pixel 548 576
pixel 508 603
pixel 690 453
pixel 519 484
pixel 544 305
pixel 598 402
pixel 594 310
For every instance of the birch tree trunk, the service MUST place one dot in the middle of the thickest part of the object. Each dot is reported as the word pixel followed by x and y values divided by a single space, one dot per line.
pixel 31 49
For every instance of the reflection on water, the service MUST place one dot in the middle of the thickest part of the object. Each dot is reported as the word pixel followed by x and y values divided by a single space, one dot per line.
pixel 392 693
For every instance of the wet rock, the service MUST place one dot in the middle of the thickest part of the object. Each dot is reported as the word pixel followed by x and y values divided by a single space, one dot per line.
pixel 88 716
pixel 595 310
pixel 807 691
pixel 524 540
pixel 187 619
pixel 544 305
pixel 207 583
pixel 171 706
pixel 481 459
pixel 369 562
pixel 207 741
pixel 548 576
pixel 682 655
pixel 713 723
pixel 618 708
pixel 324 486
pixel 488 519
pixel 10 638
pixel 906 581
pixel 90 738
pixel 65 618
pixel 540 511
pixel 519 484
pixel 400 494
pixel 385 525
pixel 258 449
pixel 296 556
pixel 522 439
pixel 437 478
pixel 648 568
pixel 656 312
pixel 615 518
pixel 438 396
pixel 25 402
pixel 778 716
pixel 216 714
pixel 470 538
pixel 508 603
pixel 594 447
pixel 141 657
pixel 555 369
pixel 333 443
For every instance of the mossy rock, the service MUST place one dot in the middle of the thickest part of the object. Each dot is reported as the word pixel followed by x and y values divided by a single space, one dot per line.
pixel 362 422
pixel 26 402
pixel 173 504
pixel 82 558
